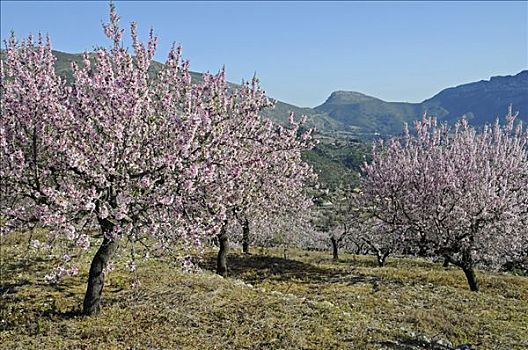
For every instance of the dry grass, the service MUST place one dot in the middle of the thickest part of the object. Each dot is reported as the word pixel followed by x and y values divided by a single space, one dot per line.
pixel 303 301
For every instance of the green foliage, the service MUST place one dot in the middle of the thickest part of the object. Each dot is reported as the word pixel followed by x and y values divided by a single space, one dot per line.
pixel 337 162
pixel 331 173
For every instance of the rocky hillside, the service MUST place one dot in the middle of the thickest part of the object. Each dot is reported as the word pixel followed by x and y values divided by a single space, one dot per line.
pixel 481 102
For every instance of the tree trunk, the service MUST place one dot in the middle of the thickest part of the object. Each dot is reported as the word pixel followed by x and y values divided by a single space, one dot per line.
pixel 245 236
pixel 381 258
pixel 334 248
pixel 215 241
pixel 446 263
pixel 422 248
pixel 92 298
pixel 470 275
pixel 467 267
pixel 381 261
pixel 359 249
pixel 466 264
pixel 221 261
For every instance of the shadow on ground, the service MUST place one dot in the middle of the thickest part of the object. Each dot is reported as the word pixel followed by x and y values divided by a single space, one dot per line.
pixel 257 268
pixel 421 342
pixel 10 288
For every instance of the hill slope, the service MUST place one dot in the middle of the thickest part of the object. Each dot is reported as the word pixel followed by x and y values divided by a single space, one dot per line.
pixel 368 113
pixel 353 114
pixel 279 113
pixel 483 101
pixel 480 101
pixel 307 302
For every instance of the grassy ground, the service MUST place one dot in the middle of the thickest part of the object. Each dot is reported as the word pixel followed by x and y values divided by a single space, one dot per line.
pixel 302 300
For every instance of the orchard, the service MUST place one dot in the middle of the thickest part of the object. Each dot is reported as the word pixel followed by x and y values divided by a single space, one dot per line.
pixel 140 161
pixel 134 155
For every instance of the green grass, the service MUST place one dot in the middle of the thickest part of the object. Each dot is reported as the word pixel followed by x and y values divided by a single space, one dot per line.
pixel 302 300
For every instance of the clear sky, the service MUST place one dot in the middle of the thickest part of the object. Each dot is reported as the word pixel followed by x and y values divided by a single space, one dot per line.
pixel 302 51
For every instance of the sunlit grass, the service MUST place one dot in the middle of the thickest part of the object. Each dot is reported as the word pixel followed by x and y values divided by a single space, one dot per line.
pixel 272 300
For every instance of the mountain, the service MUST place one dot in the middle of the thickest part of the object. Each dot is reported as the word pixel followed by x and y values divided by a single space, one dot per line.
pixel 352 114
pixel 481 102
pixel 279 113
pixel 367 112
pixel 320 120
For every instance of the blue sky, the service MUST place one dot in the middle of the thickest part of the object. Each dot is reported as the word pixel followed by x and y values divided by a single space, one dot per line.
pixel 302 51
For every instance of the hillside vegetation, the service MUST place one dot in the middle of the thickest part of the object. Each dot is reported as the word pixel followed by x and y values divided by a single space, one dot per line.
pixel 279 113
pixel 482 102
pixel 337 163
pixel 353 114
pixel 273 299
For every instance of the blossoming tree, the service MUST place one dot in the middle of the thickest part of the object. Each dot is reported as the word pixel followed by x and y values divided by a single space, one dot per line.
pixel 271 178
pixel 458 193
pixel 133 154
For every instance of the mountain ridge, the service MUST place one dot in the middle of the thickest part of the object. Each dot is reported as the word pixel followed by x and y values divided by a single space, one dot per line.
pixel 480 101
pixel 355 114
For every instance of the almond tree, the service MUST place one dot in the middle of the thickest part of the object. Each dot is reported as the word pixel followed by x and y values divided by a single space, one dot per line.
pixel 279 190
pixel 115 149
pixel 272 177
pixel 345 218
pixel 459 193
pixel 135 155
pixel 380 239
pixel 339 217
